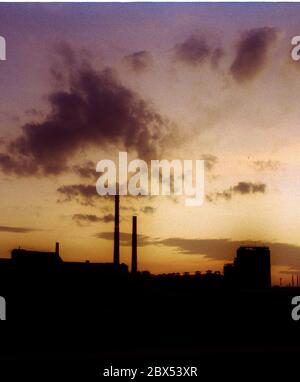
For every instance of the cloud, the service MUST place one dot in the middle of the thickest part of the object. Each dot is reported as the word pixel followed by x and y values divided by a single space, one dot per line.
pixel 139 61
pixel 195 51
pixel 22 167
pixel 87 170
pixel 282 254
pixel 249 188
pixel 86 195
pixel 86 218
pixel 89 108
pixel 242 188
pixel 213 196
pixel 252 52
pixel 81 193
pixel 17 229
pixel 209 161
pixel 265 165
pixel 130 209
pixel 148 210
pixel 125 238
pixel 290 272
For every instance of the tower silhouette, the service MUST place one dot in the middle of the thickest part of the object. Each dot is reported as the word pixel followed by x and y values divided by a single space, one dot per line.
pixel 134 246
pixel 117 232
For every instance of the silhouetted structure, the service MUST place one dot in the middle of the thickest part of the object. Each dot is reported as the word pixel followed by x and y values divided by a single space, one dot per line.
pixel 117 232
pixel 251 268
pixel 134 245
pixel 172 309
pixel 57 248
pixel 24 258
pixel 51 261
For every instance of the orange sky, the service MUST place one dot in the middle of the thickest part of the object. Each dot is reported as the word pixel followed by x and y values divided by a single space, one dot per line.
pixel 83 82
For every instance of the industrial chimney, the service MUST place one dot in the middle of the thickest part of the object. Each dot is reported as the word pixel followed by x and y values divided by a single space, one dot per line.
pixel 117 233
pixel 57 248
pixel 134 246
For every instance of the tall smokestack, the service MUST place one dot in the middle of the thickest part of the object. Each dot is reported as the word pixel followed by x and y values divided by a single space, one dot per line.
pixel 117 232
pixel 134 246
pixel 57 248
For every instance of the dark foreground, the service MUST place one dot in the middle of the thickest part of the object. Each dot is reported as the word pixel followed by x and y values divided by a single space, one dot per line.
pixel 80 325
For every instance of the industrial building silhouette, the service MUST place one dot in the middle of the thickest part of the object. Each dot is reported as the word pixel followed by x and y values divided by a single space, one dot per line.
pixel 251 268
pixel 110 311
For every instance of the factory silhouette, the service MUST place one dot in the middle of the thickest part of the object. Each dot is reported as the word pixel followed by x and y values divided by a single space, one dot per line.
pixel 251 268
pixel 114 312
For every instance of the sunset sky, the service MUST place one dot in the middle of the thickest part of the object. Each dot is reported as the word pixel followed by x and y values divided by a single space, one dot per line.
pixel 83 82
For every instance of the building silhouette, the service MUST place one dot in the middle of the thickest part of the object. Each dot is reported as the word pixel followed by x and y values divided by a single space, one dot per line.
pixel 117 232
pixel 134 245
pixel 24 258
pixel 251 269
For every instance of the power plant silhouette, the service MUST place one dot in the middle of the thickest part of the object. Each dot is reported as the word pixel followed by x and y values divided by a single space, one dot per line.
pixel 251 269
pixel 112 309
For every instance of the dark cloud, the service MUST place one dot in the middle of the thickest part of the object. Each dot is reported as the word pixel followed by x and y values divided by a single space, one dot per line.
pixel 130 208
pixel 216 249
pixel 86 218
pixel 23 167
pixel 242 188
pixel 87 170
pixel 17 229
pixel 81 193
pixel 282 254
pixel 86 194
pixel 193 51
pixel 252 53
pixel 139 61
pixel 67 53
pixel 249 188
pixel 196 50
pixel 214 196
pixel 92 109
pixel 108 218
pixel 209 161
pixel 125 238
pixel 148 210
pixel 265 165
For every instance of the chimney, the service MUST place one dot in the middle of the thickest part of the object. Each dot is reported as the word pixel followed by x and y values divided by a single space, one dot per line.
pixel 57 248
pixel 117 233
pixel 134 246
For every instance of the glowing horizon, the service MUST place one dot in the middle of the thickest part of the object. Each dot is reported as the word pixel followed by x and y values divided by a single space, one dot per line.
pixel 82 82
